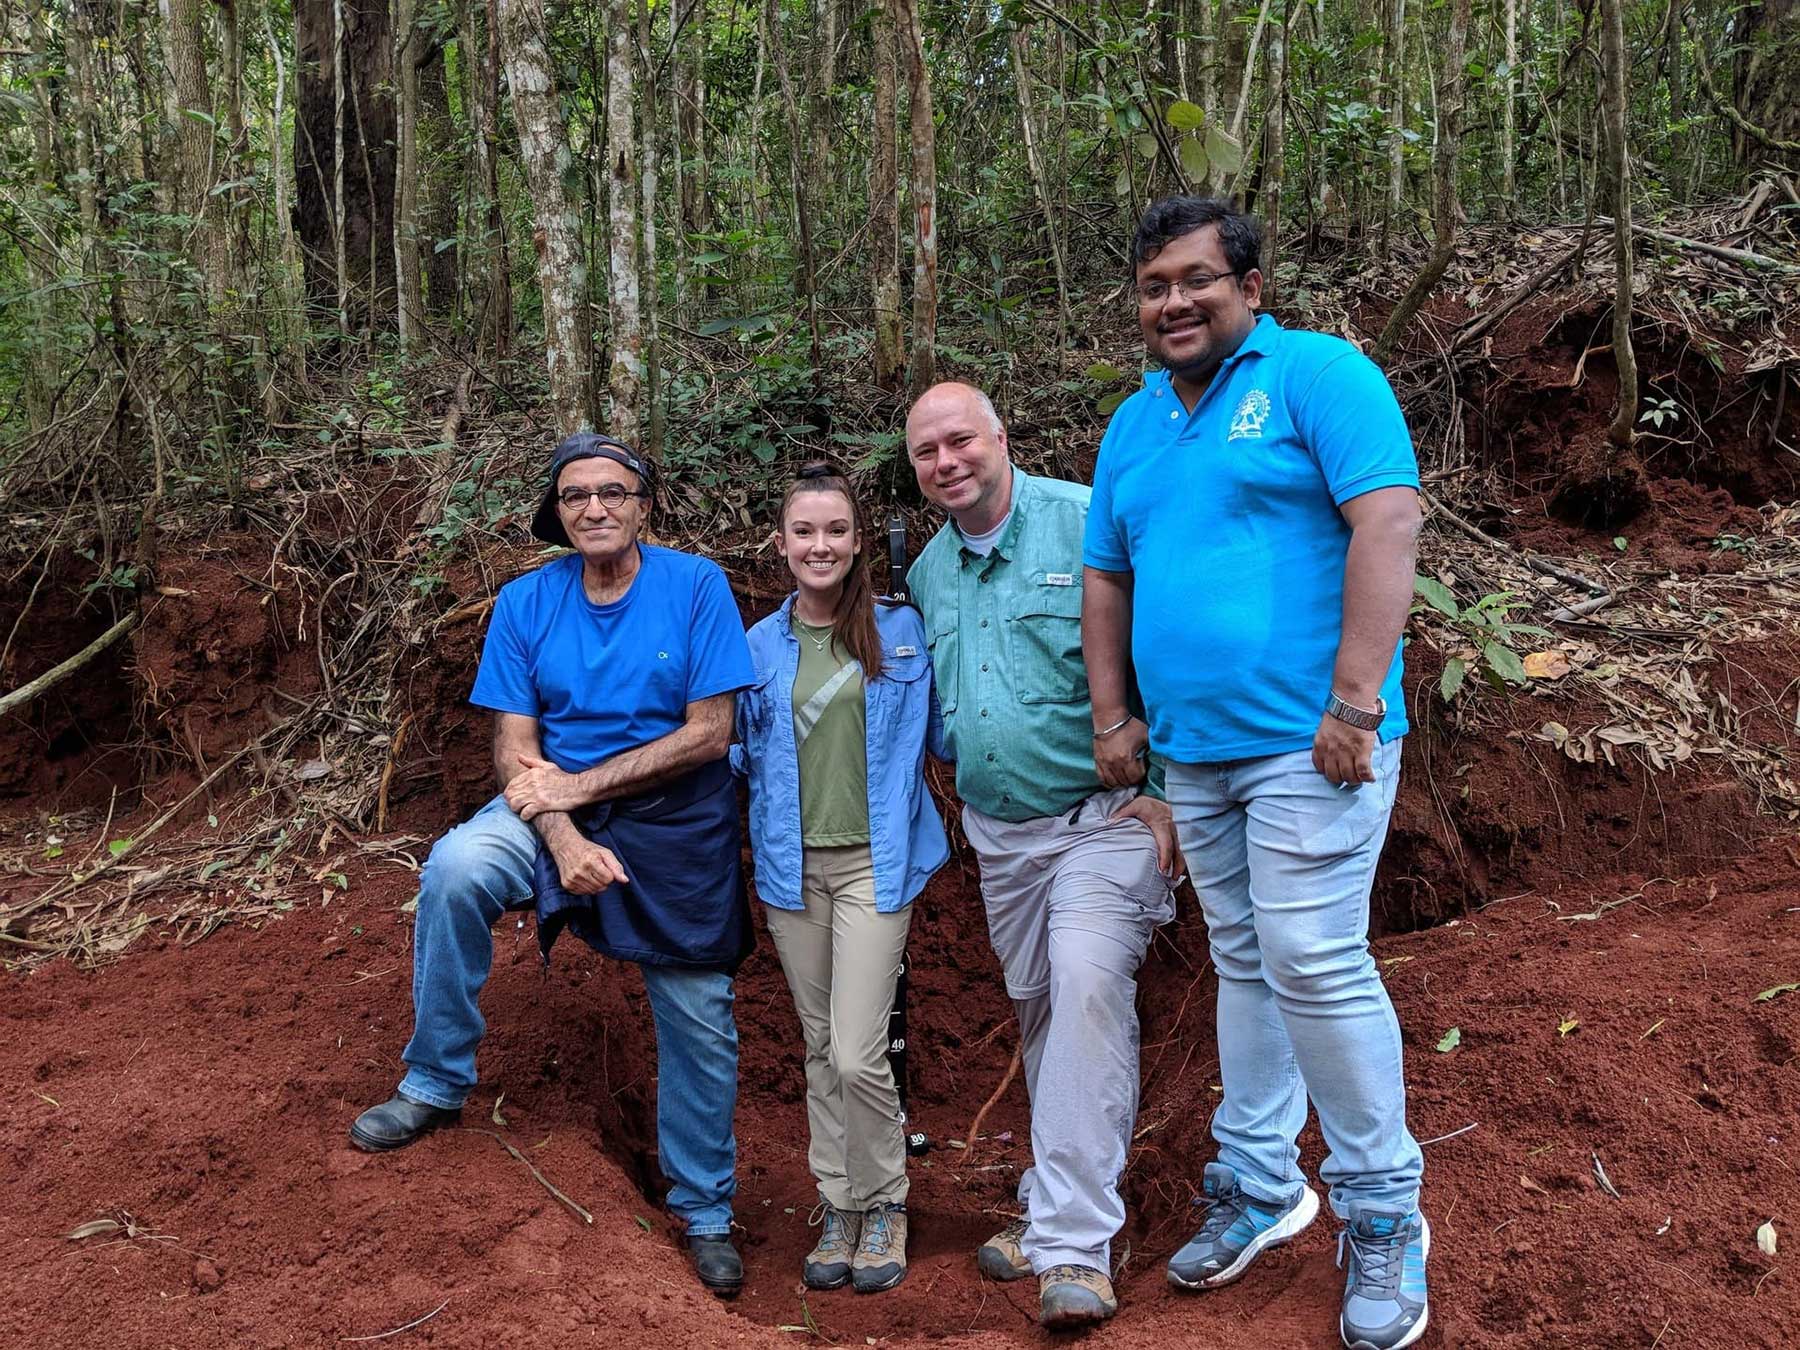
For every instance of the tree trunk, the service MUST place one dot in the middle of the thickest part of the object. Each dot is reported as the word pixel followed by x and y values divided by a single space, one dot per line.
pixel 1509 94
pixel 1613 96
pixel 1396 130
pixel 437 139
pixel 625 377
pixel 410 299
pixel 884 203
pixel 543 150
pixel 361 104
pixel 234 206
pixel 190 170
pixel 1040 183
pixel 824 83
pixel 690 96
pixel 1209 59
pixel 1451 83
pixel 291 293
pixel 1766 79
pixel 487 265
pixel 1274 155
pixel 923 372
pixel 647 268
pixel 797 182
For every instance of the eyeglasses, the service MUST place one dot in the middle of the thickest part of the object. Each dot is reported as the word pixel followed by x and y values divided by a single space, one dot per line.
pixel 612 496
pixel 1158 292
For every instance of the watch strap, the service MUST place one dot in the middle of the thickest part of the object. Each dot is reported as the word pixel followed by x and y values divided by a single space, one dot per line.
pixel 1361 718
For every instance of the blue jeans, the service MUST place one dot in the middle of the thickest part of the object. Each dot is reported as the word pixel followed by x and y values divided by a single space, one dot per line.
pixel 475 873
pixel 1283 862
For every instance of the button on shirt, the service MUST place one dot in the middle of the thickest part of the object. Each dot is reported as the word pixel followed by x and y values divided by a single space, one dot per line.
pixel 1005 635
pixel 1229 519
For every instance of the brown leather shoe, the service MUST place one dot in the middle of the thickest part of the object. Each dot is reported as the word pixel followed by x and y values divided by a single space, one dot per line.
pixel 828 1264
pixel 880 1261
pixel 1002 1257
pixel 1074 1296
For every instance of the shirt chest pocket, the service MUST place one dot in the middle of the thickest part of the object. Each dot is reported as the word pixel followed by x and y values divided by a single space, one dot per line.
pixel 902 687
pixel 759 702
pixel 945 653
pixel 1044 647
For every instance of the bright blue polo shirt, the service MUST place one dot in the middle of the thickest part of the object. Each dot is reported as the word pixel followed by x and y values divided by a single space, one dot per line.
pixel 602 679
pixel 1228 519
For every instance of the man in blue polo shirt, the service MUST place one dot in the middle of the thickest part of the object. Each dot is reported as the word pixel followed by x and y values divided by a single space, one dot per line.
pixel 612 673
pixel 1249 552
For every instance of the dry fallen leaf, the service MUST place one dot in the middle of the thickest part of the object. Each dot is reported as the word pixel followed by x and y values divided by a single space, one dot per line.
pixel 95 1227
pixel 1548 665
pixel 1531 1185
pixel 1765 1238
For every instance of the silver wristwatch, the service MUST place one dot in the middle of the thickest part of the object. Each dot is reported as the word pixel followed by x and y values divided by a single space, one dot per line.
pixel 1351 715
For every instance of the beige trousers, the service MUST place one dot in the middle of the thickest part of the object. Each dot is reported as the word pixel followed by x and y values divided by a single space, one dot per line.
pixel 841 957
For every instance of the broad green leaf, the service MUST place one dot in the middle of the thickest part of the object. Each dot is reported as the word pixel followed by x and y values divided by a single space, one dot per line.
pixel 1193 159
pixel 1434 593
pixel 707 259
pixel 117 846
pixel 1102 373
pixel 1452 1039
pixel 1145 145
pixel 1504 662
pixel 1455 670
pixel 1225 154
pixel 1108 405
pixel 1776 992
pixel 1185 116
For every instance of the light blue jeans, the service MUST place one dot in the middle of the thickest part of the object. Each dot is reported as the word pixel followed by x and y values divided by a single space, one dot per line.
pixel 1283 862
pixel 475 873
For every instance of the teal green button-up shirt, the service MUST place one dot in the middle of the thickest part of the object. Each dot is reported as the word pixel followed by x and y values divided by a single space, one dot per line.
pixel 1005 634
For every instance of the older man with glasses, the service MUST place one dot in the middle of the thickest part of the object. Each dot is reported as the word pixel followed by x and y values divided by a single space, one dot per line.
pixel 612 673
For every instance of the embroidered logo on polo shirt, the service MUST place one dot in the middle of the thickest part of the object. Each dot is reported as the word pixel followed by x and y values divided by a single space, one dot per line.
pixel 1247 421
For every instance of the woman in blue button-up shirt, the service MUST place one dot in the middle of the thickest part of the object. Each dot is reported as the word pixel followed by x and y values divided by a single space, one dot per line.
pixel 845 835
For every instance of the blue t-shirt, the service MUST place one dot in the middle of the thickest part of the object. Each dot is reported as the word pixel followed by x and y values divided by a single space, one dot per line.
pixel 1228 518
pixel 602 679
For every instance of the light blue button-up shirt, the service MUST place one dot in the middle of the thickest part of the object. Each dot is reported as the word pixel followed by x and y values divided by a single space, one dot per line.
pixel 906 836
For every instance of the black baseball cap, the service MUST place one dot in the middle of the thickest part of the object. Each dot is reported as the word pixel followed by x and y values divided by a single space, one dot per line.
pixel 546 524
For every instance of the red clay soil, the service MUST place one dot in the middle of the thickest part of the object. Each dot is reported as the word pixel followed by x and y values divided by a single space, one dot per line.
pixel 205 1094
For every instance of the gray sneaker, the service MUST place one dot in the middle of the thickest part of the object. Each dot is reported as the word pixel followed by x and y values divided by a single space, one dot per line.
pixel 1235 1231
pixel 1384 1254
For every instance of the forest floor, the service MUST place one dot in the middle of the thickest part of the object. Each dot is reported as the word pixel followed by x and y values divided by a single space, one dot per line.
pixel 1592 880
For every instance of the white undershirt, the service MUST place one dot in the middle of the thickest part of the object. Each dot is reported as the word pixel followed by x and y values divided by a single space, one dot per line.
pixel 983 544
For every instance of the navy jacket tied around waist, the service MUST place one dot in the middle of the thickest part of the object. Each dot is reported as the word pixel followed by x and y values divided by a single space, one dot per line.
pixel 685 903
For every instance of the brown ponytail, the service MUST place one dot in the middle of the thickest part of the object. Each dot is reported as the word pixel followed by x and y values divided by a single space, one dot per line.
pixel 854 621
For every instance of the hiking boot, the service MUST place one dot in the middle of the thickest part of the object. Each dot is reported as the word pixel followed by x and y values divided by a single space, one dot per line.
pixel 828 1264
pixel 880 1261
pixel 1074 1296
pixel 1235 1231
pixel 1002 1257
pixel 1384 1289
pixel 398 1122
pixel 717 1263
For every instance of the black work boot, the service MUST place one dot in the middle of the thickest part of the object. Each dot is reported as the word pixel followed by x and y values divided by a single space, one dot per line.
pixel 717 1263
pixel 397 1122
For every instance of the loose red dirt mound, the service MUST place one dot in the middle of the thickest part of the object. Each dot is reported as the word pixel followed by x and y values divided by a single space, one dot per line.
pixel 202 1096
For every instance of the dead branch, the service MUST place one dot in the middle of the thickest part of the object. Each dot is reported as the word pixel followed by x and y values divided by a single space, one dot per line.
pixel 1530 559
pixel 57 674
pixel 1743 257
pixel 74 881
pixel 443 465
pixel 541 1179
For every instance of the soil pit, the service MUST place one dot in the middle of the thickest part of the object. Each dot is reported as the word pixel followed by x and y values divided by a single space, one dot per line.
pixel 205 1094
